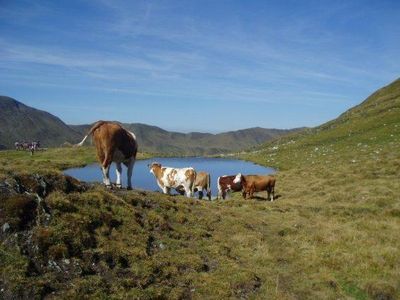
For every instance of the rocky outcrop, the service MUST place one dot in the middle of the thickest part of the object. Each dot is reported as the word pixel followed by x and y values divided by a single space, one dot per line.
pixel 24 216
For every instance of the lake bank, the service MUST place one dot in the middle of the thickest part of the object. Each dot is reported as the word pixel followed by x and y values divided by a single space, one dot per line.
pixel 142 178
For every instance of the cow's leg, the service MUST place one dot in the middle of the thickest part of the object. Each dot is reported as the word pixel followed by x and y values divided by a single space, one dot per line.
pixel 106 176
pixel 106 170
pixel 244 193
pixel 118 171
pixel 223 194
pixel 219 193
pixel 272 194
pixel 180 190
pixel 129 173
pixel 166 190
pixel 189 190
pixel 252 192
pixel 189 193
pixel 209 194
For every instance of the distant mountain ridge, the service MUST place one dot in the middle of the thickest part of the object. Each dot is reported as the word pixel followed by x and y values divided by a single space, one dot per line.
pixel 19 122
pixel 157 140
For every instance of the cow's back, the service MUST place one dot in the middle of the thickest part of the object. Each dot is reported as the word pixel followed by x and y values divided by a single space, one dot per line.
pixel 110 137
pixel 260 182
pixel 174 177
pixel 202 179
pixel 227 181
pixel 188 175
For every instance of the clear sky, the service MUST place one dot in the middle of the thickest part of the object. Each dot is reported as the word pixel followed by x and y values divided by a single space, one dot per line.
pixel 206 66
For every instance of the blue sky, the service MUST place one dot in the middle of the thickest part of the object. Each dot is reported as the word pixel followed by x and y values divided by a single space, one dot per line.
pixel 206 66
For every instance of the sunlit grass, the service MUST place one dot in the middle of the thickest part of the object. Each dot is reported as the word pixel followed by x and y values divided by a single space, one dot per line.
pixel 51 159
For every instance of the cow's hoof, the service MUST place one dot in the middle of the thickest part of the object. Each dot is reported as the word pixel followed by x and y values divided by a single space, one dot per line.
pixel 109 187
pixel 129 188
pixel 118 186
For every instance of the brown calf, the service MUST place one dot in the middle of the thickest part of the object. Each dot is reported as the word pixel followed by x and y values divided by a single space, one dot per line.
pixel 258 183
pixel 114 144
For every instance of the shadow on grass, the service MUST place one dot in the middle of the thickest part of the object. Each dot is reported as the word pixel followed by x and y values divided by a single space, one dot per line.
pixel 259 198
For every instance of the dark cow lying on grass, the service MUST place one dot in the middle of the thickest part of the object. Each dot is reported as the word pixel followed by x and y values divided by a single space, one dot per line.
pixel 113 144
pixel 258 183
pixel 228 183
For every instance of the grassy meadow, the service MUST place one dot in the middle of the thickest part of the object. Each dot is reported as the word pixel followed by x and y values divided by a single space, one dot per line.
pixel 52 160
pixel 332 233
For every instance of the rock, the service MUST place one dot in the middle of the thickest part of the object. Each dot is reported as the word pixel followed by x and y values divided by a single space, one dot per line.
pixel 5 227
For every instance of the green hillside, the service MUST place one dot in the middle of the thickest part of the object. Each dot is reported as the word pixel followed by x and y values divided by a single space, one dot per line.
pixel 332 233
pixel 368 132
pixel 19 122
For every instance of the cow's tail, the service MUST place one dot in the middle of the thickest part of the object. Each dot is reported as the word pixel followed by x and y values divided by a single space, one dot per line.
pixel 219 188
pixel 194 180
pixel 209 186
pixel 94 127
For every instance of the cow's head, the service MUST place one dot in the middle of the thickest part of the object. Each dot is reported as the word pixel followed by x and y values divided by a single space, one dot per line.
pixel 154 166
pixel 238 178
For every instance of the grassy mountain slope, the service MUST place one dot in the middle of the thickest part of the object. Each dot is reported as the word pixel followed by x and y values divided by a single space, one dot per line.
pixel 333 233
pixel 354 137
pixel 19 122
pixel 342 181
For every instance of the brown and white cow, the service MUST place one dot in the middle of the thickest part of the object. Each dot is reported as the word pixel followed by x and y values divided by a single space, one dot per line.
pixel 228 183
pixel 175 178
pixel 258 183
pixel 114 144
pixel 202 183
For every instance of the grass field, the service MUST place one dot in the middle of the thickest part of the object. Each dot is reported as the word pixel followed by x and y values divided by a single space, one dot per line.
pixel 51 160
pixel 333 233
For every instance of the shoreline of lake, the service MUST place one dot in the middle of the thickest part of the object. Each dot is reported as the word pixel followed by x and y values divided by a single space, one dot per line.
pixel 143 179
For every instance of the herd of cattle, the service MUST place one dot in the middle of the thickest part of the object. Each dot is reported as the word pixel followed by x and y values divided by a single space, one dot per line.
pixel 116 144
pixel 32 146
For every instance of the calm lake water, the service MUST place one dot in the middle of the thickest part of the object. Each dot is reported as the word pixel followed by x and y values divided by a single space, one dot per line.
pixel 143 179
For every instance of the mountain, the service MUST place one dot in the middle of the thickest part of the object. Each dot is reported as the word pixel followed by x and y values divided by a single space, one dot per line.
pixel 156 140
pixel 19 122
